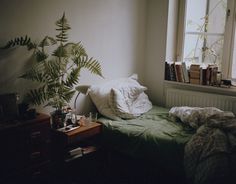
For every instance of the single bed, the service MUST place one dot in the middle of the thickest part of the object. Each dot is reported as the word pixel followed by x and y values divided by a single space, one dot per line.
pixel 152 136
pixel 135 127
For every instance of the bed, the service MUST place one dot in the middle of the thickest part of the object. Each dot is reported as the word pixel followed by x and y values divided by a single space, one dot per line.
pixel 203 156
pixel 152 136
pixel 186 140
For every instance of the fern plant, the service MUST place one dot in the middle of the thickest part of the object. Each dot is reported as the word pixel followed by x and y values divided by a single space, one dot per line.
pixel 58 72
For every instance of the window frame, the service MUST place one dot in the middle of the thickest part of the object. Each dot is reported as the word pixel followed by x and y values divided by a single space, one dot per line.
pixel 227 58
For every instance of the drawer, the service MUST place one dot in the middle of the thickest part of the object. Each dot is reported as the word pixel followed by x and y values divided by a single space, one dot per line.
pixel 38 133
pixel 37 174
pixel 39 154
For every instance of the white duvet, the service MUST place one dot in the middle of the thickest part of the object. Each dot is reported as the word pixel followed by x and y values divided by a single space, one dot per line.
pixel 196 116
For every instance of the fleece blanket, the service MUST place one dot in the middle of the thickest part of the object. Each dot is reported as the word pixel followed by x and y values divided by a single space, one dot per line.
pixel 210 154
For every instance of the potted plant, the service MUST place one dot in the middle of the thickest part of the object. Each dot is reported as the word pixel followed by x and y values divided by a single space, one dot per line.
pixel 57 72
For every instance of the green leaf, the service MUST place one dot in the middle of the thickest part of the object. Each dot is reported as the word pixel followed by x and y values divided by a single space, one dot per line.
pixel 40 56
pixel 92 65
pixel 34 74
pixel 47 41
pixel 19 41
pixel 63 27
pixel 60 52
pixel 37 96
pixel 73 77
pixel 67 96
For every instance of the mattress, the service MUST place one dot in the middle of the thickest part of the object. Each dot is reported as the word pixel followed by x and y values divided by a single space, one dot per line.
pixel 153 136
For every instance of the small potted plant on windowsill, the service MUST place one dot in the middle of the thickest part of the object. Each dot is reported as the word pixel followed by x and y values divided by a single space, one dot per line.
pixel 58 72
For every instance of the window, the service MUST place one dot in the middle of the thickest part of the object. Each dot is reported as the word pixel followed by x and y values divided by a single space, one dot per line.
pixel 206 34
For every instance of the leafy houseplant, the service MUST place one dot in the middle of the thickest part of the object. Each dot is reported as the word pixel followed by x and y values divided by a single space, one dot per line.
pixel 57 72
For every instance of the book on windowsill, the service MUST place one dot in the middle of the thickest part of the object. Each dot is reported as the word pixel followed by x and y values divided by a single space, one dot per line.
pixel 167 71
pixel 203 80
pixel 211 74
pixel 194 73
pixel 195 81
pixel 185 72
pixel 194 67
pixel 172 72
pixel 179 72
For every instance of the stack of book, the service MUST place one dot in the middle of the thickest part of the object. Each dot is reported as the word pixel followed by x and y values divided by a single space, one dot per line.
pixel 73 154
pixel 176 71
pixel 194 74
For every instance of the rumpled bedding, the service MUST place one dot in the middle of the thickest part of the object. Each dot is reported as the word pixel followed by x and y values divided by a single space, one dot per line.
pixel 196 116
pixel 210 154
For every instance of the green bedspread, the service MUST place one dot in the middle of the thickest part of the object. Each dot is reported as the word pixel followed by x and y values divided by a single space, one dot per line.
pixel 152 136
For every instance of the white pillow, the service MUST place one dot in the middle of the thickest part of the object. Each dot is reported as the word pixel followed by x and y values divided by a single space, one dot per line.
pixel 128 106
pixel 141 105
pixel 100 94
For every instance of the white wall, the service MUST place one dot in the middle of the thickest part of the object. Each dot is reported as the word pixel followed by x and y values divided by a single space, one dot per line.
pixel 157 15
pixel 112 31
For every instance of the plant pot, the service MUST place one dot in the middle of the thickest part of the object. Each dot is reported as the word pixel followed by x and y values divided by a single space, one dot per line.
pixel 58 118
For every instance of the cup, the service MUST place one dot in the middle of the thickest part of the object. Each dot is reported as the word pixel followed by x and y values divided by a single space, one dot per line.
pixel 93 116
pixel 83 121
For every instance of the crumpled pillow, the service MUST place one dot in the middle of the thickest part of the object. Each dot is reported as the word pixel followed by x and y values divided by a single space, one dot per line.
pixel 127 105
pixel 100 94
pixel 196 116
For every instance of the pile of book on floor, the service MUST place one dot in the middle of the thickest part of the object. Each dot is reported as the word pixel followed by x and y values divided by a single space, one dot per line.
pixel 79 152
pixel 194 74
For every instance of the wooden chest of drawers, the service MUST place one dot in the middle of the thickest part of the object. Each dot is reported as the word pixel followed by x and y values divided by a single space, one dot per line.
pixel 24 148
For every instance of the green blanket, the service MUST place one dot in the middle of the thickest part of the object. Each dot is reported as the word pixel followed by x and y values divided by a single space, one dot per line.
pixel 152 136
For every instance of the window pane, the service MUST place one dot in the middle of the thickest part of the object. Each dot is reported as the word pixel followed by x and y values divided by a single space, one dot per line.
pixel 213 50
pixel 204 31
pixel 192 48
pixel 217 16
pixel 196 10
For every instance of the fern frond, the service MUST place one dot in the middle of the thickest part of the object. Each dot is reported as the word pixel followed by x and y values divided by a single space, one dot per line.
pixel 47 41
pixel 67 96
pixel 60 52
pixel 20 41
pixel 73 77
pixel 37 96
pixel 92 65
pixel 34 74
pixel 79 50
pixel 63 27
pixel 52 70
pixel 40 56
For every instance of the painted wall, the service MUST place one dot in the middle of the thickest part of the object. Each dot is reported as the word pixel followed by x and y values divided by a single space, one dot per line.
pixel 112 31
pixel 157 15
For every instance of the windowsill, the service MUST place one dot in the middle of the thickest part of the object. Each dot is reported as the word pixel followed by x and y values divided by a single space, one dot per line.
pixel 230 91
